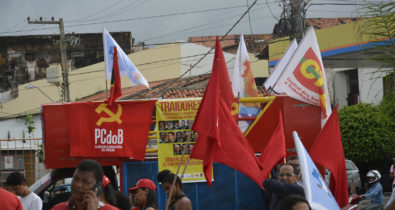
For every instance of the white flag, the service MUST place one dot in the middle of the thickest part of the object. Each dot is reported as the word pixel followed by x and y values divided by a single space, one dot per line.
pixel 316 191
pixel 280 66
pixel 304 77
pixel 243 83
pixel 126 66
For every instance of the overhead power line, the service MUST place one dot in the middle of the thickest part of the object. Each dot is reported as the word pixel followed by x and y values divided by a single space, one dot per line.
pixel 205 55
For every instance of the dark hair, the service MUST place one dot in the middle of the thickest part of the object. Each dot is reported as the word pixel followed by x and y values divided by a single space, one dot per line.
pixel 293 157
pixel 93 166
pixel 296 171
pixel 109 194
pixel 123 201
pixel 291 200
pixel 166 176
pixel 15 178
pixel 151 199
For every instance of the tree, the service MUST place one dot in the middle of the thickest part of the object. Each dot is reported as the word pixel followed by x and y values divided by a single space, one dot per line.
pixel 367 133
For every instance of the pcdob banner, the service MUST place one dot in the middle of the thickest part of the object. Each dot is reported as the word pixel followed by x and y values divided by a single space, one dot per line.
pixel 96 129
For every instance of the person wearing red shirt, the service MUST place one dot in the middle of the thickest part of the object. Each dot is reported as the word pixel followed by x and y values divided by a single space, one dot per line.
pixel 86 188
pixel 10 201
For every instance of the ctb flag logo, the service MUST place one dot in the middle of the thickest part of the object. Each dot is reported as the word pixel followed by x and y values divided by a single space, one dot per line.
pixel 309 73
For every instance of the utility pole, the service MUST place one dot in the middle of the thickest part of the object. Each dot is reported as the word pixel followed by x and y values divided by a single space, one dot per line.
pixel 65 73
pixel 297 18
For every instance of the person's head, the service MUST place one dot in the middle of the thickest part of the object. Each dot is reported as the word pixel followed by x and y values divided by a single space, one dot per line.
pixel 169 124
pixel 373 176
pixel 295 202
pixel 171 137
pixel 144 193
pixel 190 147
pixel 288 174
pixel 182 122
pixel 177 148
pixel 195 135
pixel 186 134
pixel 161 125
pixel 190 123
pixel 165 179
pixel 108 195
pixel 176 124
pixel 17 183
pixel 184 148
pixel 163 135
pixel 179 135
pixel 294 160
pixel 87 176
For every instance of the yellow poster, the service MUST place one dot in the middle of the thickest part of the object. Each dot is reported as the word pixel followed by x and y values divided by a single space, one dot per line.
pixel 174 120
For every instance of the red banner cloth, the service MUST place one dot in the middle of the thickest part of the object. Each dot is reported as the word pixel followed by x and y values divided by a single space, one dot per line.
pixel 116 89
pixel 274 150
pixel 220 139
pixel 327 151
pixel 96 129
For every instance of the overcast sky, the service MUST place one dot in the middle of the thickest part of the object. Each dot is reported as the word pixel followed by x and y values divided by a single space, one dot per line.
pixel 154 21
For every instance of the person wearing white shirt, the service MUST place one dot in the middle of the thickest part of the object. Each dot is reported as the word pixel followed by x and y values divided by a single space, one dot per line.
pixel 18 185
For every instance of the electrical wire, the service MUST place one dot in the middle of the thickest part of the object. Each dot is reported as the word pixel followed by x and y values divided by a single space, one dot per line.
pixel 193 66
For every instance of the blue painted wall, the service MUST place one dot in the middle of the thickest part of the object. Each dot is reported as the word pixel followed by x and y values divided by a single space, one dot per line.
pixel 231 189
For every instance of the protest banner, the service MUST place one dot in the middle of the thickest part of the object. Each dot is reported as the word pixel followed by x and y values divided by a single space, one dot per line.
pixel 174 119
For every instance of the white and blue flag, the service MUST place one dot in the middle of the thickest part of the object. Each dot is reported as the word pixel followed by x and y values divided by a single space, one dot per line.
pixel 126 66
pixel 316 191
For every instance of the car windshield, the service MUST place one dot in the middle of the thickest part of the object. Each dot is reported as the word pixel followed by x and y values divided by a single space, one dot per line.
pixel 350 165
pixel 39 182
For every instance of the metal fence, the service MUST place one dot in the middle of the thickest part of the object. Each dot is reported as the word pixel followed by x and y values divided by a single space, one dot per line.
pixel 23 155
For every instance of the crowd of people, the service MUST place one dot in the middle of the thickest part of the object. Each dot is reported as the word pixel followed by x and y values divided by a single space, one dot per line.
pixel 91 190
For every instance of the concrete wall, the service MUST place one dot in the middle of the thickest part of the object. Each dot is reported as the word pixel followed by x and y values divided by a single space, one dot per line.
pixel 370 85
pixel 14 128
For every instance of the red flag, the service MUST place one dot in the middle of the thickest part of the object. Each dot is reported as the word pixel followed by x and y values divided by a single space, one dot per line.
pixel 274 150
pixel 96 129
pixel 327 151
pixel 116 89
pixel 220 139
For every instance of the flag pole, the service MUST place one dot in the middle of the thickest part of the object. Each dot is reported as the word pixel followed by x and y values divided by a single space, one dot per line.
pixel 106 88
pixel 178 169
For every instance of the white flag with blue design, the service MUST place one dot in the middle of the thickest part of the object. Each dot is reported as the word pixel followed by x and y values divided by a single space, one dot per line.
pixel 126 66
pixel 316 191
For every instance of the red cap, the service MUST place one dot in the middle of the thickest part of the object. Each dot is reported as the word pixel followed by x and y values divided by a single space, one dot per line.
pixel 106 180
pixel 147 183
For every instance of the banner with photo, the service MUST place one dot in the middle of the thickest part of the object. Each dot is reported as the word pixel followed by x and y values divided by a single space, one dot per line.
pixel 174 120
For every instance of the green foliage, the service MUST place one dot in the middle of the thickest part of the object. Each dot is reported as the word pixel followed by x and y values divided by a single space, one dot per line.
pixel 367 133
pixel 29 123
pixel 387 105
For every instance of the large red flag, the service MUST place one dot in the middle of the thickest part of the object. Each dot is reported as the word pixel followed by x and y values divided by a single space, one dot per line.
pixel 116 89
pixel 274 150
pixel 220 139
pixel 327 150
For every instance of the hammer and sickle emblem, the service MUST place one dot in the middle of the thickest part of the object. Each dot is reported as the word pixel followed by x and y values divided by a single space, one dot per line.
pixel 111 116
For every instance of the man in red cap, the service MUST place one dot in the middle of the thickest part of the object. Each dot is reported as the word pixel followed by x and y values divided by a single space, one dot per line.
pixel 143 195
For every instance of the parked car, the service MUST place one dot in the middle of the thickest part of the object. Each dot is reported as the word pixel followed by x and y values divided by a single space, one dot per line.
pixel 352 174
